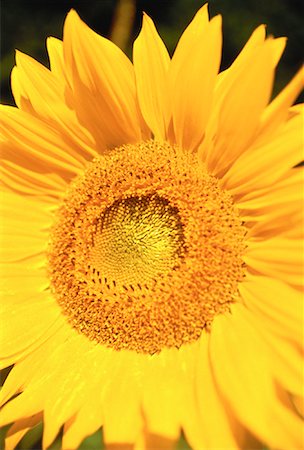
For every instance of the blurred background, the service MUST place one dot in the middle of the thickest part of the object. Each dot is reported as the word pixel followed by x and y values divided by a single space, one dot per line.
pixel 26 24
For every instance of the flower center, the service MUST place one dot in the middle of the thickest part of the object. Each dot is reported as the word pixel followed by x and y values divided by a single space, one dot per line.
pixel 136 240
pixel 146 249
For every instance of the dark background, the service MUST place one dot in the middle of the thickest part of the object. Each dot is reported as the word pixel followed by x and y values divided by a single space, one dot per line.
pixel 26 24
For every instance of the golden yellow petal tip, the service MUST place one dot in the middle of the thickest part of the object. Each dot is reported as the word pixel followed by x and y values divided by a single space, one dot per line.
pixel 146 18
pixel 203 10
pixel 18 55
pixel 73 16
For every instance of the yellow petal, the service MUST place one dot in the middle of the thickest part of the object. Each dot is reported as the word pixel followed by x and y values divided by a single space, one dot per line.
pixel 37 84
pixel 161 395
pixel 295 109
pixel 23 228
pixel 191 90
pixel 26 181
pixel 151 62
pixel 25 212
pixel 35 382
pixel 223 83
pixel 286 360
pixel 274 197
pixel 55 51
pixel 298 403
pixel 18 248
pixel 169 397
pixel 277 111
pixel 123 419
pixel 86 422
pixel 241 104
pixel 277 258
pixel 103 83
pixel 276 210
pixel 256 39
pixel 277 48
pixel 19 429
pixel 19 93
pixel 242 370
pixel 28 369
pixel 23 406
pixel 187 357
pixel 21 374
pixel 33 320
pixel 34 145
pixel 42 380
pixel 289 225
pixel 67 390
pixel 277 304
pixel 148 441
pixel 214 413
pixel 194 32
pixel 263 165
pixel 43 94
pixel 32 278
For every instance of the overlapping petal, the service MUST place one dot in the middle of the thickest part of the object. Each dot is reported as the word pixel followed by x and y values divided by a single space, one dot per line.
pixel 278 257
pixel 287 360
pixel 264 164
pixel 24 181
pixel 24 227
pixel 214 413
pixel 277 304
pixel 32 381
pixel 33 144
pixel 275 210
pixel 35 319
pixel 68 390
pixel 55 52
pixel 240 99
pixel 277 111
pixel 41 93
pixel 19 429
pixel 123 417
pixel 234 341
pixel 198 50
pixel 151 64
pixel 103 84
pixel 161 398
pixel 85 422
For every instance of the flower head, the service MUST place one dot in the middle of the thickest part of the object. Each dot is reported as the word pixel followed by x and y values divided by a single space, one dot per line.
pixel 152 243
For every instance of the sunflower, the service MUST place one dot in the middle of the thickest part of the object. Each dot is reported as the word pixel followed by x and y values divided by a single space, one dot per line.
pixel 151 243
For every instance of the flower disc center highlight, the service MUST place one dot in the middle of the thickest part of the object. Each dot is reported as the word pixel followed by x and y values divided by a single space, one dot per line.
pixel 137 239
pixel 146 249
